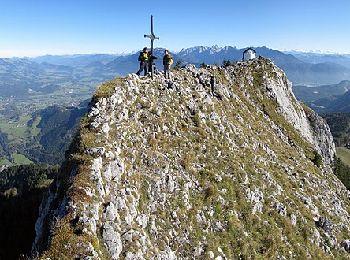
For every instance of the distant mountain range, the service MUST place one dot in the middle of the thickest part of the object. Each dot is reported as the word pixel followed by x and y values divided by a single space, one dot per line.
pixel 297 70
pixel 301 68
pixel 341 59
pixel 50 74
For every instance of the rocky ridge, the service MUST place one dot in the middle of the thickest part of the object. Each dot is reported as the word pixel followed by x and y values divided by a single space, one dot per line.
pixel 218 164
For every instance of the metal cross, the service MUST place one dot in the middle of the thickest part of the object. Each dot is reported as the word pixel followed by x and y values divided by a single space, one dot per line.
pixel 152 37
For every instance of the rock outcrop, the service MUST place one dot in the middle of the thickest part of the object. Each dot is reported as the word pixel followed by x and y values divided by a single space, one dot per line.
pixel 215 164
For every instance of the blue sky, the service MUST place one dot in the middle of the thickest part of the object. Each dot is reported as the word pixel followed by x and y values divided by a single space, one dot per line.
pixel 37 27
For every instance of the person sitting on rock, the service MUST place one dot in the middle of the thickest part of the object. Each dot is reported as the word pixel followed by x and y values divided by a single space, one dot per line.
pixel 143 59
pixel 167 62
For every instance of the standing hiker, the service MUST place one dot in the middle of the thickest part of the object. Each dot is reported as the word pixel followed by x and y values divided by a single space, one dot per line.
pixel 167 61
pixel 143 59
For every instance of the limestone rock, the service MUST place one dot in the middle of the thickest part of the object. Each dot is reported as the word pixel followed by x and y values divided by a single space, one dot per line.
pixel 215 164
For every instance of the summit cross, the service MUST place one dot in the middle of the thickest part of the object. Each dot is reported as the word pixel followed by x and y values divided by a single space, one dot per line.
pixel 153 37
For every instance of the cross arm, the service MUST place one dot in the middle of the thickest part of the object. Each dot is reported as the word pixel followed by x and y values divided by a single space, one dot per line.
pixel 152 37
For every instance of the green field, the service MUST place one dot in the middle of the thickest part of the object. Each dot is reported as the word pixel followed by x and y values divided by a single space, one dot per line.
pixel 17 159
pixel 20 159
pixel 34 129
pixel 344 154
pixel 17 131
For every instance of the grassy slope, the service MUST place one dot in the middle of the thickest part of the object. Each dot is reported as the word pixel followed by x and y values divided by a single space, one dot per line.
pixel 18 133
pixel 238 161
pixel 20 159
pixel 4 162
pixel 344 154
pixel 16 130
pixel 339 124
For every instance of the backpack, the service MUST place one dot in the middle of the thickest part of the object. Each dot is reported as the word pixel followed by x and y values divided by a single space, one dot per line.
pixel 143 56
pixel 168 59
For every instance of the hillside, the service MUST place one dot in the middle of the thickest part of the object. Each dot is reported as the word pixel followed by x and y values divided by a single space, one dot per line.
pixel 312 94
pixel 183 169
pixel 21 191
pixel 339 124
pixel 333 98
pixel 340 103
pixel 56 128
pixel 41 137
pixel 344 154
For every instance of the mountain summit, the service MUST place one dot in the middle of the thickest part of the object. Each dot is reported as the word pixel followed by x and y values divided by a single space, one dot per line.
pixel 220 163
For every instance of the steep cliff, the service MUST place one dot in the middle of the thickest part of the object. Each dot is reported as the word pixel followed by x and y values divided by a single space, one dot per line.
pixel 218 163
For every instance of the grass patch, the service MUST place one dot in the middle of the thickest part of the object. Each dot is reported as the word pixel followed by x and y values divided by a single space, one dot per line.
pixel 34 130
pixel 317 160
pixel 4 161
pixel 16 130
pixel 20 159
pixel 344 154
pixel 107 89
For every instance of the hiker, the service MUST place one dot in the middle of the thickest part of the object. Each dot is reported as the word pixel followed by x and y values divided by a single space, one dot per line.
pixel 167 61
pixel 212 84
pixel 143 59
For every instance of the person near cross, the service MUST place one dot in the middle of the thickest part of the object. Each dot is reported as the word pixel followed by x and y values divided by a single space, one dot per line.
pixel 143 59
pixel 167 62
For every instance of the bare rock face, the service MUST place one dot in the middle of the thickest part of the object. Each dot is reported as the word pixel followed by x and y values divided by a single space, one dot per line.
pixel 322 138
pixel 310 125
pixel 216 164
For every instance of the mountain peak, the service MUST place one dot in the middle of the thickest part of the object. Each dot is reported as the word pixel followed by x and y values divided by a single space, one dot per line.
pixel 219 162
